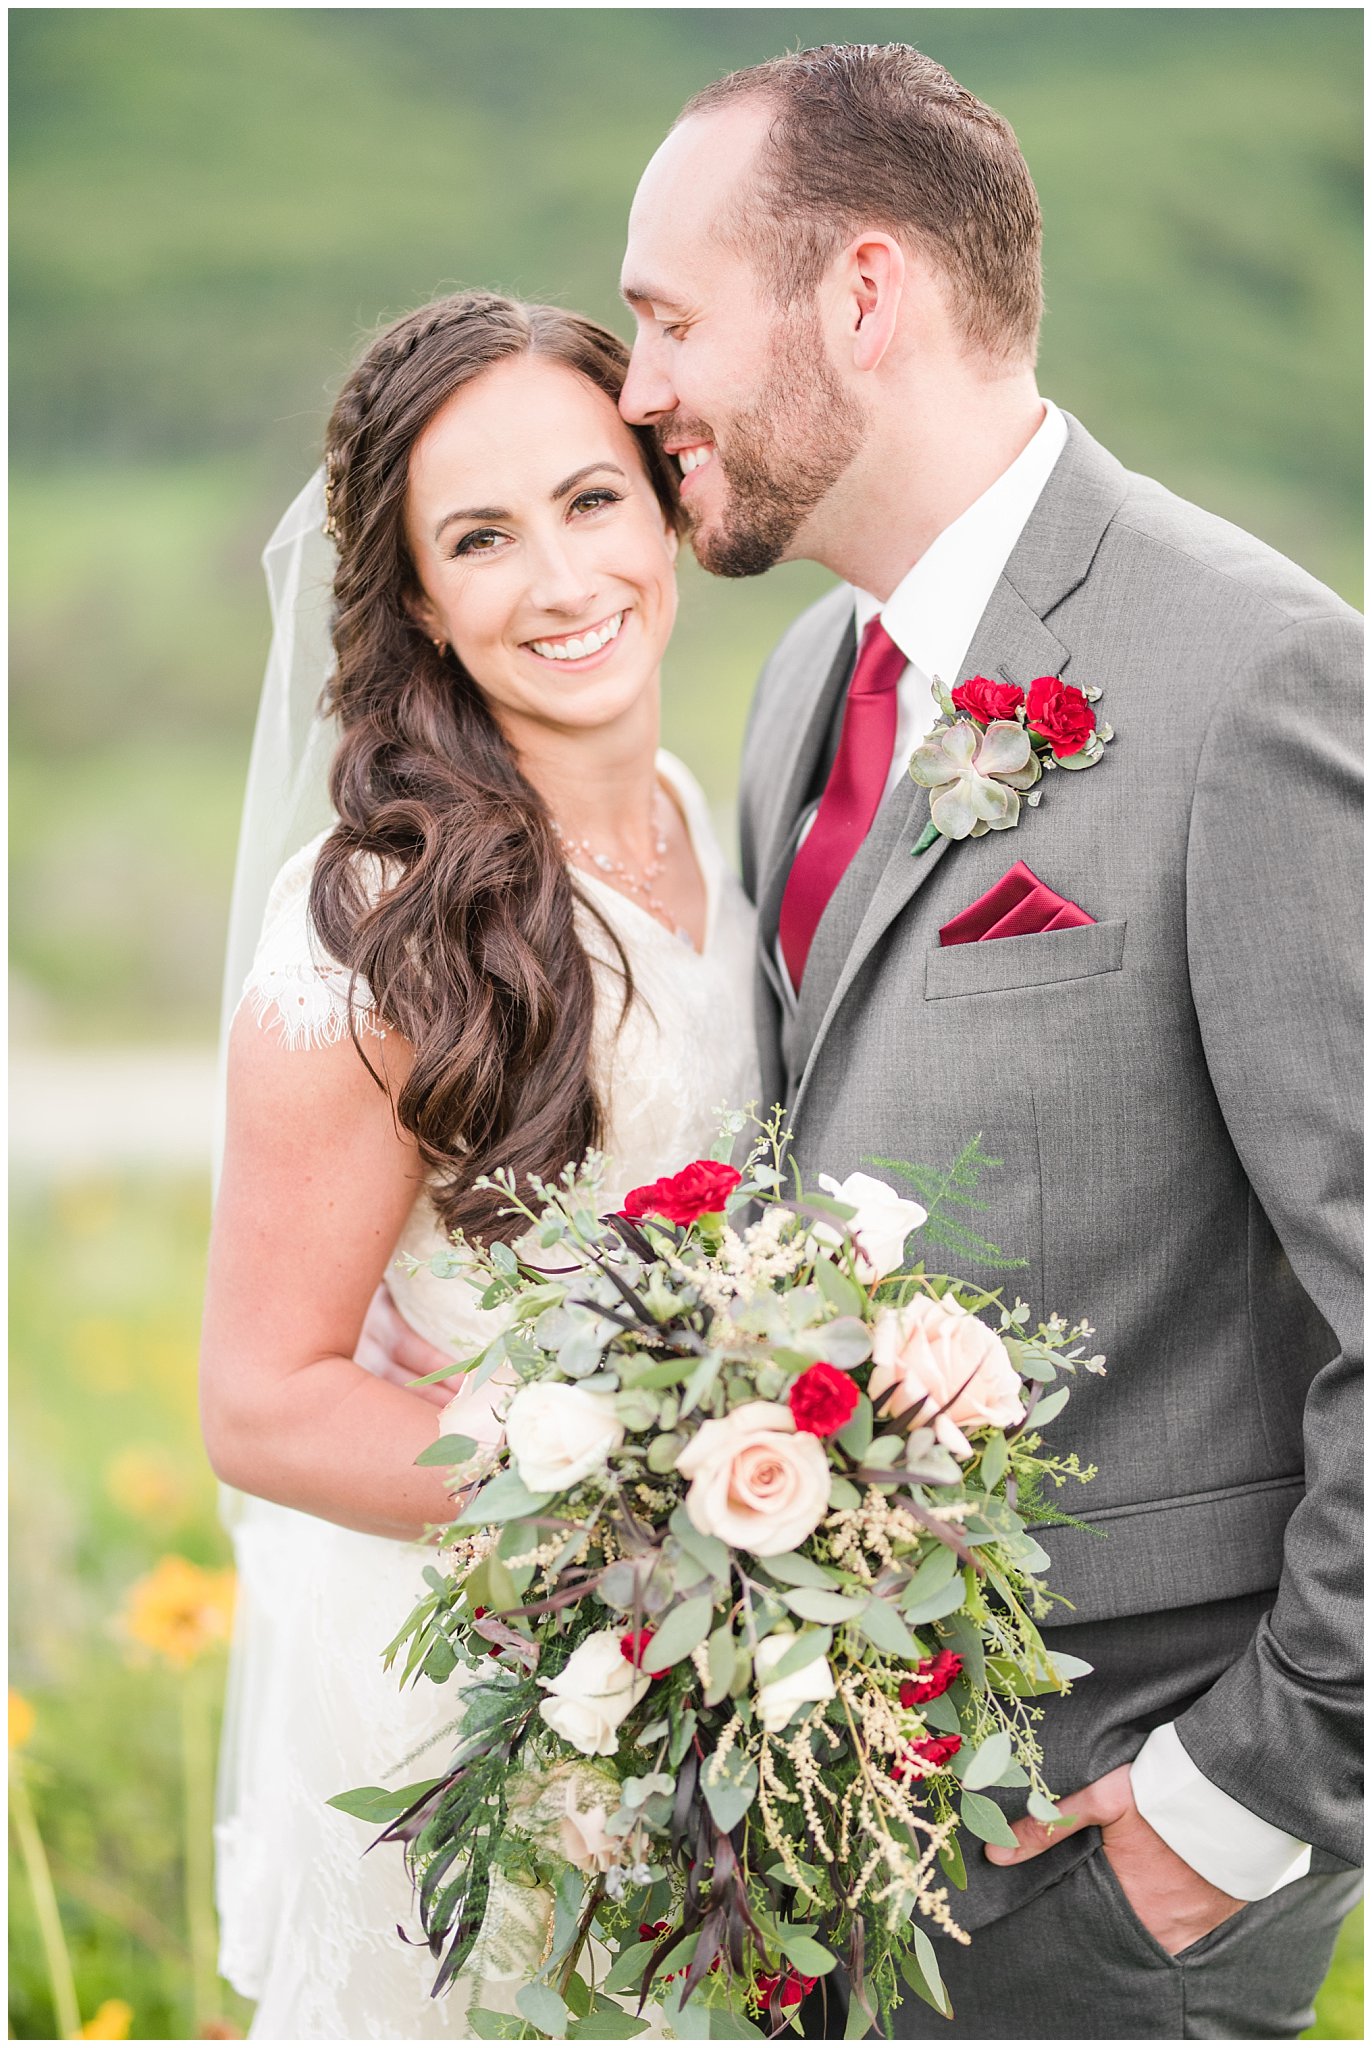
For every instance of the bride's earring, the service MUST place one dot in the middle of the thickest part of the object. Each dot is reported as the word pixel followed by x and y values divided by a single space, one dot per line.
pixel 442 648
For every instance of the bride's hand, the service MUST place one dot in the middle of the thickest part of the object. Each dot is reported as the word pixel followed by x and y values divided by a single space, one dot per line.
pixel 390 1350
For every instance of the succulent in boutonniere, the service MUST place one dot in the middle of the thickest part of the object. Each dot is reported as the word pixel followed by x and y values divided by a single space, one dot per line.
pixel 992 744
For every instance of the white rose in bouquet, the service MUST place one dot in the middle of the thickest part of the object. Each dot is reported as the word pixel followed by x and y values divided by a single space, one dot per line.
pixel 778 1698
pixel 756 1483
pixel 559 1434
pixel 592 1693
pixel 883 1221
pixel 939 1354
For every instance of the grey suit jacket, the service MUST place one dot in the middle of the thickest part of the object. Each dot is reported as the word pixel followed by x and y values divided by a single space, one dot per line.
pixel 1173 1089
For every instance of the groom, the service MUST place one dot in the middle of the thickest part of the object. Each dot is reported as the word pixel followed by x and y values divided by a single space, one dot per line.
pixel 833 262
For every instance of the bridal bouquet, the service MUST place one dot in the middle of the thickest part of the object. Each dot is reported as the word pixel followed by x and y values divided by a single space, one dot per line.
pixel 742 1617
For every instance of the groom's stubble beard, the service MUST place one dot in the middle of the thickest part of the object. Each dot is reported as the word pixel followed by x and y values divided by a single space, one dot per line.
pixel 785 453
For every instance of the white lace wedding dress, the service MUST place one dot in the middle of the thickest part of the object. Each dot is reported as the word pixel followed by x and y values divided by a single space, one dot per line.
pixel 309 1922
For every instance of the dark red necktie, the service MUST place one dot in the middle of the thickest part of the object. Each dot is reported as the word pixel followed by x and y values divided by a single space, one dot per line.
pixel 851 796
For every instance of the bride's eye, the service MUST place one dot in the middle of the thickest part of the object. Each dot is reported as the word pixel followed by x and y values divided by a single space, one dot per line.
pixel 480 542
pixel 591 501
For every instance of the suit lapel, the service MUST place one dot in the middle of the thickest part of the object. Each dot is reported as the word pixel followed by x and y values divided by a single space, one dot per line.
pixel 1012 643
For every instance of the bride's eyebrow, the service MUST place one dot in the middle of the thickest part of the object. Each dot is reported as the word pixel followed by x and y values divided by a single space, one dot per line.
pixel 569 483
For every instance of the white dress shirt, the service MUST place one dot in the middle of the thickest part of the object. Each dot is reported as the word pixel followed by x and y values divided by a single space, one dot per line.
pixel 932 615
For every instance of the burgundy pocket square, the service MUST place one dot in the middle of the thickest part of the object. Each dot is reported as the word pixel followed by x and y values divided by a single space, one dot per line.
pixel 1017 905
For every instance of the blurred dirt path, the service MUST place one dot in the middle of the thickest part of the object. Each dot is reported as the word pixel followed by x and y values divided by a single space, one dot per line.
pixel 77 1112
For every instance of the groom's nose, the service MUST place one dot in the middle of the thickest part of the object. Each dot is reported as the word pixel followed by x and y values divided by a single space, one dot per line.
pixel 648 392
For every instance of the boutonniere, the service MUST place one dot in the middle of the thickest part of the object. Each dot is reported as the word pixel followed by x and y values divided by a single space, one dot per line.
pixel 993 744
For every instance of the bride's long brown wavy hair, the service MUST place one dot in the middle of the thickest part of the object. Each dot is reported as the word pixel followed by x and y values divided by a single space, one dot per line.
pixel 470 950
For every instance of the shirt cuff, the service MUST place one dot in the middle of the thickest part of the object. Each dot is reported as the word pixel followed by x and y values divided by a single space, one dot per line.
pixel 1224 1842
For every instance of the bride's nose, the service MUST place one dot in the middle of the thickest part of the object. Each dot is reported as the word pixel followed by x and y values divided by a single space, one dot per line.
pixel 560 582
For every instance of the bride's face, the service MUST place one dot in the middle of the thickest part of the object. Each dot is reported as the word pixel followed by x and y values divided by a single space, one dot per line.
pixel 544 558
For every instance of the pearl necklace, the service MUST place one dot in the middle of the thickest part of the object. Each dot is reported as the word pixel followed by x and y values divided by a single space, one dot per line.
pixel 639 880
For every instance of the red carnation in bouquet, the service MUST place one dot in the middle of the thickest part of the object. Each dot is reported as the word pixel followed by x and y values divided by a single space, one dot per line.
pixel 700 1189
pixel 1060 715
pixel 986 701
pixel 822 1399
pixel 794 1987
pixel 931 1750
pixel 935 1675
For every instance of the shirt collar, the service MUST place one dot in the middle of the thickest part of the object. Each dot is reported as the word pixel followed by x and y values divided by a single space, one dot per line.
pixel 933 611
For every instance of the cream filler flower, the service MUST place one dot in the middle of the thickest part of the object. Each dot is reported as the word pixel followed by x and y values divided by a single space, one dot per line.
pixel 973 777
pixel 880 1226
pixel 778 1699
pixel 560 1434
pixel 592 1693
pixel 756 1483
pixel 937 1357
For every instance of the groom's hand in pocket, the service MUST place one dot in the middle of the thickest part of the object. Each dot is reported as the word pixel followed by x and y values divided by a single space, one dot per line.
pixel 1174 1902
pixel 390 1350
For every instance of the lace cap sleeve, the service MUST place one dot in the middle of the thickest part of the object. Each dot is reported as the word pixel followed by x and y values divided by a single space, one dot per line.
pixel 295 987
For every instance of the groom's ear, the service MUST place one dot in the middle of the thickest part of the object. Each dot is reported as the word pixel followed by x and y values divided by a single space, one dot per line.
pixel 873 280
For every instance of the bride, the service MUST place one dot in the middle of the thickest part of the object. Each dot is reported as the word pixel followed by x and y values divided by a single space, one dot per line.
pixel 518 939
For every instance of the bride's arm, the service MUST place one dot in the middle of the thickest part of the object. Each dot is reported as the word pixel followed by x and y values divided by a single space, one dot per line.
pixel 318 1181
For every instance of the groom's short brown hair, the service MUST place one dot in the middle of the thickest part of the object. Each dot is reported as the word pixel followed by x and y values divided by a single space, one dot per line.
pixel 870 135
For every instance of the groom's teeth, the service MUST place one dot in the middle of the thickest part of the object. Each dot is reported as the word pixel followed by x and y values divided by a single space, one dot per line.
pixel 693 458
pixel 579 648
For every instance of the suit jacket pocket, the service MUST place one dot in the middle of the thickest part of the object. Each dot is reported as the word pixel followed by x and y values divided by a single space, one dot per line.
pixel 1035 960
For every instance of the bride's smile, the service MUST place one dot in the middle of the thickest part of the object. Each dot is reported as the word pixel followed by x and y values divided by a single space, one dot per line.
pixel 541 550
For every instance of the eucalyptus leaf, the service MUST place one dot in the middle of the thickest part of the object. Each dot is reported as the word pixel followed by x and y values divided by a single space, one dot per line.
pixel 664 1451
pixel 856 1434
pixel 926 1962
pixel 952 1864
pixel 941 1714
pixel 722 1658
pixel 612 2024
pixel 729 1799
pixel 841 1293
pixel 791 1568
pixel 1051 1405
pixel 986 1820
pixel 883 1627
pixel 813 1603
pixel 701 1379
pixel 843 1494
pixel 844 1342
pixel 806 1954
pixel 681 1631
pixel 995 1457
pixel 377 1803
pixel 1069 1667
pixel 504 1498
pixel 808 1645
pixel 628 1967
pixel 682 1737
pixel 448 1450
pixel 945 1599
pixel 988 1761
pixel 542 2007
pixel 1044 1809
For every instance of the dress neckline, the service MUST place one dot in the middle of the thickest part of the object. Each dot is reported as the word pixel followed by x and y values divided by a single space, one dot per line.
pixel 682 790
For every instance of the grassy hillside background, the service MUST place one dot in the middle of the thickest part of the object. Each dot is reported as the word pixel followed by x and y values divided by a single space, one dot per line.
pixel 210 208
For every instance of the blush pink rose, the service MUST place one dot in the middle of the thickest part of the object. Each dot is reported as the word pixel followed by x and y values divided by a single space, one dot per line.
pixel 756 1483
pixel 933 1355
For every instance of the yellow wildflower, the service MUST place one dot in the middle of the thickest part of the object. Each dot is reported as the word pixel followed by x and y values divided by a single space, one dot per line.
pixel 179 1610
pixel 21 1720
pixel 110 2023
pixel 146 1483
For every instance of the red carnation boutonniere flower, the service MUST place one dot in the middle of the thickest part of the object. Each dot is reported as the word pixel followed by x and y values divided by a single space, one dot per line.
pixel 700 1189
pixel 991 747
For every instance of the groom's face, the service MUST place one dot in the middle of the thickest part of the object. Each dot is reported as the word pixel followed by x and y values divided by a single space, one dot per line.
pixel 740 390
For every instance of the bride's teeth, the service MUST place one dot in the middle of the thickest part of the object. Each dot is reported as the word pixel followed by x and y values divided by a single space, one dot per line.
pixel 579 648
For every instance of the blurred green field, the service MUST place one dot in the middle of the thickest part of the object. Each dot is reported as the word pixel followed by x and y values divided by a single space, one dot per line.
pixel 209 209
